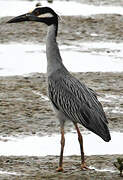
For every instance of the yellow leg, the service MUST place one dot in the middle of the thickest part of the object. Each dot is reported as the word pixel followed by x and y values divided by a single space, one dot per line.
pixel 80 138
pixel 60 168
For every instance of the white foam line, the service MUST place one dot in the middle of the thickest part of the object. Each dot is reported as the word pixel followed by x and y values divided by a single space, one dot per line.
pixel 111 98
pixel 9 173
pixel 101 170
pixel 41 95
pixel 117 110
pixel 50 145
pixel 32 58
pixel 114 96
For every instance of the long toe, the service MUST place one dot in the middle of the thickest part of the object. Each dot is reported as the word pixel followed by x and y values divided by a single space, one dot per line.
pixel 60 169
pixel 84 167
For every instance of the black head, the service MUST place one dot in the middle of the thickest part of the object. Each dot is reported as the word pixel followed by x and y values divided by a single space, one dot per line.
pixel 39 14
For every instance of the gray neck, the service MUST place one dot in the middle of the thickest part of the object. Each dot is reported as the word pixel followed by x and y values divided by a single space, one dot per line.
pixel 54 60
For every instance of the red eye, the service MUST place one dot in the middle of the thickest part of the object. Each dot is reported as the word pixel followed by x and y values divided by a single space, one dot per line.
pixel 36 13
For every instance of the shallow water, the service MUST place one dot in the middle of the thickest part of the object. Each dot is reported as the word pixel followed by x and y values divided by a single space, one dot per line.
pixel 19 59
pixel 50 145
pixel 13 8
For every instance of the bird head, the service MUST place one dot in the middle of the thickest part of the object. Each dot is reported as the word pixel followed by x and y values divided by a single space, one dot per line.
pixel 39 14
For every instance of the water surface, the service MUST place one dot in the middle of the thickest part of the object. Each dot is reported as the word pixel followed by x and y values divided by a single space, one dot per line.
pixel 50 145
pixel 69 8
pixel 20 59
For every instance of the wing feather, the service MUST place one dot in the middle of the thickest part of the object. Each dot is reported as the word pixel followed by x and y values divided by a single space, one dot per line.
pixel 77 102
pixel 74 99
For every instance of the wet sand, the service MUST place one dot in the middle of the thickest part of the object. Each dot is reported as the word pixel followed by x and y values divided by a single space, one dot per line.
pixel 44 168
pixel 71 29
pixel 25 112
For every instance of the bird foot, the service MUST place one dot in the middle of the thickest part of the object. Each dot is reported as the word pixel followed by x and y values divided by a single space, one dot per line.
pixel 121 175
pixel 84 167
pixel 60 169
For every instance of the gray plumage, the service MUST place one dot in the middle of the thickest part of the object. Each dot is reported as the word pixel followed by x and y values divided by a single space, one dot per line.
pixel 69 96
pixel 71 99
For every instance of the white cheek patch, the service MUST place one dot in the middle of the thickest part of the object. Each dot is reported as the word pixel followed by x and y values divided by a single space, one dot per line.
pixel 45 15
pixel 31 11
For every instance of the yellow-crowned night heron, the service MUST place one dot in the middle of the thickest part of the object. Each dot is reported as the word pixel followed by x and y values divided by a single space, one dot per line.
pixel 71 99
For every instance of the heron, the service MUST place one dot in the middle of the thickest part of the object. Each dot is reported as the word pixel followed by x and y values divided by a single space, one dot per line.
pixel 71 99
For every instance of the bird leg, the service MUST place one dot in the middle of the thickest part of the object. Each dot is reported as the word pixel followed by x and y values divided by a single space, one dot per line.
pixel 121 173
pixel 80 139
pixel 60 168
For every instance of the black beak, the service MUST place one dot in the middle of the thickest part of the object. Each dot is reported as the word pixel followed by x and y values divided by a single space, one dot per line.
pixel 32 17
pixel 24 17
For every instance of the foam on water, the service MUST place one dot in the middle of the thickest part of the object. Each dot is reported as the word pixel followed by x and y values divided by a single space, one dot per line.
pixel 20 59
pixel 43 97
pixel 101 170
pixel 9 173
pixel 50 145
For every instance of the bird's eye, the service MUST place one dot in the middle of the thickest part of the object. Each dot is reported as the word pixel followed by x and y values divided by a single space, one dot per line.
pixel 36 13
